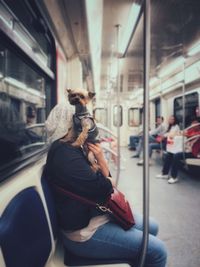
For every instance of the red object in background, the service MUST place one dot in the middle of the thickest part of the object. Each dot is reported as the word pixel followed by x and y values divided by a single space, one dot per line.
pixel 193 131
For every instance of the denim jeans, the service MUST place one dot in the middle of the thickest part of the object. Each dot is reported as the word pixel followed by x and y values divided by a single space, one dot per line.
pixel 173 162
pixel 152 145
pixel 110 241
pixel 133 141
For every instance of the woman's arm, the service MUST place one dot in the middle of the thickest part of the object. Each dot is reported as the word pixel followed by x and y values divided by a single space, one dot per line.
pixel 99 155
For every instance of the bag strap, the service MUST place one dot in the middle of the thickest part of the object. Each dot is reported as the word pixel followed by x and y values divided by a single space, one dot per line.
pixel 81 199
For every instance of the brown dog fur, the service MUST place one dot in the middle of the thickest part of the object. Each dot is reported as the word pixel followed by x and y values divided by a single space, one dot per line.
pixel 80 98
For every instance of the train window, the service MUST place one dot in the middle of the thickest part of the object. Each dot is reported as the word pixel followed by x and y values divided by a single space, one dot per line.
pixel 100 115
pixel 191 105
pixel 31 28
pixel 1 62
pixel 134 117
pixel 117 116
pixel 130 81
pixel 22 111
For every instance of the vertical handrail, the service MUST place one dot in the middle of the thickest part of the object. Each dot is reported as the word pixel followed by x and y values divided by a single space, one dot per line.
pixel 147 47
pixel 183 119
pixel 118 113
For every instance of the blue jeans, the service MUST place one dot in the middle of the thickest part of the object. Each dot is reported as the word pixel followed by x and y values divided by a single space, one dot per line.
pixel 110 241
pixel 152 145
pixel 133 141
pixel 173 162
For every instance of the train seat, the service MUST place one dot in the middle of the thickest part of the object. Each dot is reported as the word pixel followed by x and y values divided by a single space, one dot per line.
pixel 73 260
pixel 69 258
pixel 25 238
pixel 193 161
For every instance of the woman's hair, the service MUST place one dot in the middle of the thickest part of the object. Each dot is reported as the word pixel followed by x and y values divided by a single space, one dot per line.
pixel 176 122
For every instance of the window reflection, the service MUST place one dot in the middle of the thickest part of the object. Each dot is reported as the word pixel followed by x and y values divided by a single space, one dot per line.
pixel 22 108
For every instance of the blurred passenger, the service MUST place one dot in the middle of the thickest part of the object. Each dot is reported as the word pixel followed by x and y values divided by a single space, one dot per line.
pixel 172 129
pixel 30 115
pixel 12 131
pixel 84 227
pixel 153 134
pixel 172 161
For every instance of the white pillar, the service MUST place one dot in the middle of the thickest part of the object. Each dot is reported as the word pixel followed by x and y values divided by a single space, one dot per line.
pixel 74 76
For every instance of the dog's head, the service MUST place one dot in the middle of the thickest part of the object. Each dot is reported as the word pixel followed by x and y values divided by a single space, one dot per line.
pixel 79 96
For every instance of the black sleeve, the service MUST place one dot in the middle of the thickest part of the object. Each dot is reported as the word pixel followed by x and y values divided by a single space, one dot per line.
pixel 71 169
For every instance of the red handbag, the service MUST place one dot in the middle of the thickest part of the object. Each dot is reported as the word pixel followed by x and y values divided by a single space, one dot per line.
pixel 120 209
pixel 116 205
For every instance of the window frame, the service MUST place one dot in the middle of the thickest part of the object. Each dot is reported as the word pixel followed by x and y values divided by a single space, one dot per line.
pixel 139 117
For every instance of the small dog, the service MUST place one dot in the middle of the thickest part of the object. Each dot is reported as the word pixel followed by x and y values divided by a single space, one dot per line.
pixel 84 128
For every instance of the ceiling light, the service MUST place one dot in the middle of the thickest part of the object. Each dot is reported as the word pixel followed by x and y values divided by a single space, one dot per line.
pixel 126 35
pixel 94 26
pixel 172 66
pixel 194 49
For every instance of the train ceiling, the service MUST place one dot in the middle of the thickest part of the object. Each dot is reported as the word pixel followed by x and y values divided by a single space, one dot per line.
pixel 175 24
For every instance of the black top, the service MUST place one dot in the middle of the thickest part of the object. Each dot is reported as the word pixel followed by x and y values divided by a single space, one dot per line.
pixel 68 167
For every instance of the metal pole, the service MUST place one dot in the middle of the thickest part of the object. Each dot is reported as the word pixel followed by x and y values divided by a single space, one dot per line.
pixel 183 118
pixel 147 48
pixel 118 106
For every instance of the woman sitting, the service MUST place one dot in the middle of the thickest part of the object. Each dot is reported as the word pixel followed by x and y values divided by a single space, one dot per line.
pixel 172 161
pixel 85 228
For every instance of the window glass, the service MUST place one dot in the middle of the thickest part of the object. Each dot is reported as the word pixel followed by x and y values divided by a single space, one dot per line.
pixel 22 109
pixel 117 116
pixel 191 105
pixel 100 115
pixel 134 117
pixel 29 26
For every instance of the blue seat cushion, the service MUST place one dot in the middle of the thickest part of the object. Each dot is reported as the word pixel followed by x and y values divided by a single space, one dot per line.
pixel 71 259
pixel 24 232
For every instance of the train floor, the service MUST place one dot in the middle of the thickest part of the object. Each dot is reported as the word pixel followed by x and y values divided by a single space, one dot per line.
pixel 176 207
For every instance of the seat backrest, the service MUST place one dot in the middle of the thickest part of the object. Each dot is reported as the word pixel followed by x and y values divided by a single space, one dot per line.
pixel 50 206
pixel 25 238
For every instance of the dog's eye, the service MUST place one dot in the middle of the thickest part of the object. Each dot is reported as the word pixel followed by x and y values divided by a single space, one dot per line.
pixel 73 95
pixel 82 96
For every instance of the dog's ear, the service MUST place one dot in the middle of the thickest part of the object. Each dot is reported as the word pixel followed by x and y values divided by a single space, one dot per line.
pixel 91 95
pixel 69 90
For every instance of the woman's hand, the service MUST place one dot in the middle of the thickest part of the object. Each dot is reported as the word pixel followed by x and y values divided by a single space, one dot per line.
pixel 99 155
pixel 97 151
